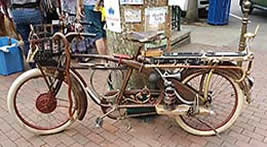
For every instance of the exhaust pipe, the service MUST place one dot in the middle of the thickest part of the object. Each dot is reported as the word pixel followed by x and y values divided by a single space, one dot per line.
pixel 181 110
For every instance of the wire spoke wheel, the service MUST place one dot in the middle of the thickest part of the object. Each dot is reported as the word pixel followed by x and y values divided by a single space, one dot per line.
pixel 41 109
pixel 226 101
pixel 102 81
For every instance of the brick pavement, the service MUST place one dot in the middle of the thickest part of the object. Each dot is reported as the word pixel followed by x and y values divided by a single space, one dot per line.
pixel 249 130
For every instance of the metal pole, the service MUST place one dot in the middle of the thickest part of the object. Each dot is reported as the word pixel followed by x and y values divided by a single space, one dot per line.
pixel 242 44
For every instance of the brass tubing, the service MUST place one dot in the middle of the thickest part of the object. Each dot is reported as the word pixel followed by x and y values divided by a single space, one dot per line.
pixel 244 74
pixel 242 44
pixel 44 76
pixel 141 114
pixel 136 65
pixel 59 35
pixel 136 106
pixel 192 66
pixel 249 68
pixel 129 62
pixel 207 84
pixel 124 85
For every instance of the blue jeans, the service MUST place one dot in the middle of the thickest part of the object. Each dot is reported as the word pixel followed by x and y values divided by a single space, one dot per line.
pixel 23 17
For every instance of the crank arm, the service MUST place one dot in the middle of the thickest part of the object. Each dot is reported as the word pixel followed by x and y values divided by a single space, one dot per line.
pixel 99 120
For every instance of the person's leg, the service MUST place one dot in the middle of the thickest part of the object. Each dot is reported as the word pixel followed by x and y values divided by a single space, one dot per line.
pixel 101 46
pixel 23 18
pixel 23 30
pixel 97 28
pixel 101 43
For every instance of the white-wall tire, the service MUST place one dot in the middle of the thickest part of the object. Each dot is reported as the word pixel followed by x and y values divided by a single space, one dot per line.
pixel 227 125
pixel 11 104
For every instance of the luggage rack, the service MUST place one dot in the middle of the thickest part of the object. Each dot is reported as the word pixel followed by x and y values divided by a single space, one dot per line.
pixel 201 54
pixel 198 57
pixel 44 50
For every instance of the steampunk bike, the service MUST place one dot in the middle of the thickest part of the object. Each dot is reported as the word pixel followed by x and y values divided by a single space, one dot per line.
pixel 203 91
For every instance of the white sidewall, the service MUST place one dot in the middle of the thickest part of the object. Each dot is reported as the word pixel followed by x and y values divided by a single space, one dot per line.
pixel 11 107
pixel 240 103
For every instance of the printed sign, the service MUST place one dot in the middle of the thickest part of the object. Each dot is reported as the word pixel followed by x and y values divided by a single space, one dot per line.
pixel 174 2
pixel 181 3
pixel 113 21
pixel 132 15
pixel 156 15
pixel 132 2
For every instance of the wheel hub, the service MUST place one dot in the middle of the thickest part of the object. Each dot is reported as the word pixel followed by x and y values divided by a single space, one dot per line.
pixel 46 102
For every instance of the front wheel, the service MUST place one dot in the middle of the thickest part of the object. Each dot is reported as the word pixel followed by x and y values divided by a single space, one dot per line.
pixel 226 100
pixel 38 108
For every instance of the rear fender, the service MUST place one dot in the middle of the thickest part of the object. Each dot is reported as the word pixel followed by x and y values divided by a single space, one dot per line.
pixel 246 84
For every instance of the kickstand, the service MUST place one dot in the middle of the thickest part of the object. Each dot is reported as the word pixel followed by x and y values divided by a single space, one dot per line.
pixel 127 124
pixel 99 120
pixel 210 126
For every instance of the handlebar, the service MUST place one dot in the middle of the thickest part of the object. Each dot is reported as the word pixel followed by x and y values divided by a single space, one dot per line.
pixel 252 35
pixel 250 38
pixel 59 35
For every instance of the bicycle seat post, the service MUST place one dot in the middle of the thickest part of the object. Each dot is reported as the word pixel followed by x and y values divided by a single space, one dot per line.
pixel 140 46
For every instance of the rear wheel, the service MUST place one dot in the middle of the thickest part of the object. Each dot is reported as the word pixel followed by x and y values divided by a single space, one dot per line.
pixel 38 108
pixel 226 100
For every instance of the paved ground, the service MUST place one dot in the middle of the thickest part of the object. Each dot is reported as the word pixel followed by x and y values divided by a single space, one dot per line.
pixel 249 130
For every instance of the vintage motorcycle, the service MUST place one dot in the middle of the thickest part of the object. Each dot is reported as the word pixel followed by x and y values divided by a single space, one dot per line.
pixel 203 91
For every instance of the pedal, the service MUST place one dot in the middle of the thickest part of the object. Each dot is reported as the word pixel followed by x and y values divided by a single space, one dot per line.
pixel 128 125
pixel 99 122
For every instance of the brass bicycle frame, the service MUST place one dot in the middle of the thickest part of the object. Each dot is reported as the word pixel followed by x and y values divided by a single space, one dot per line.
pixel 140 64
pixel 133 64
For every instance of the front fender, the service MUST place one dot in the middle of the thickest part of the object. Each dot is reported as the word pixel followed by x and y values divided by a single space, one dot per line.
pixel 79 93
